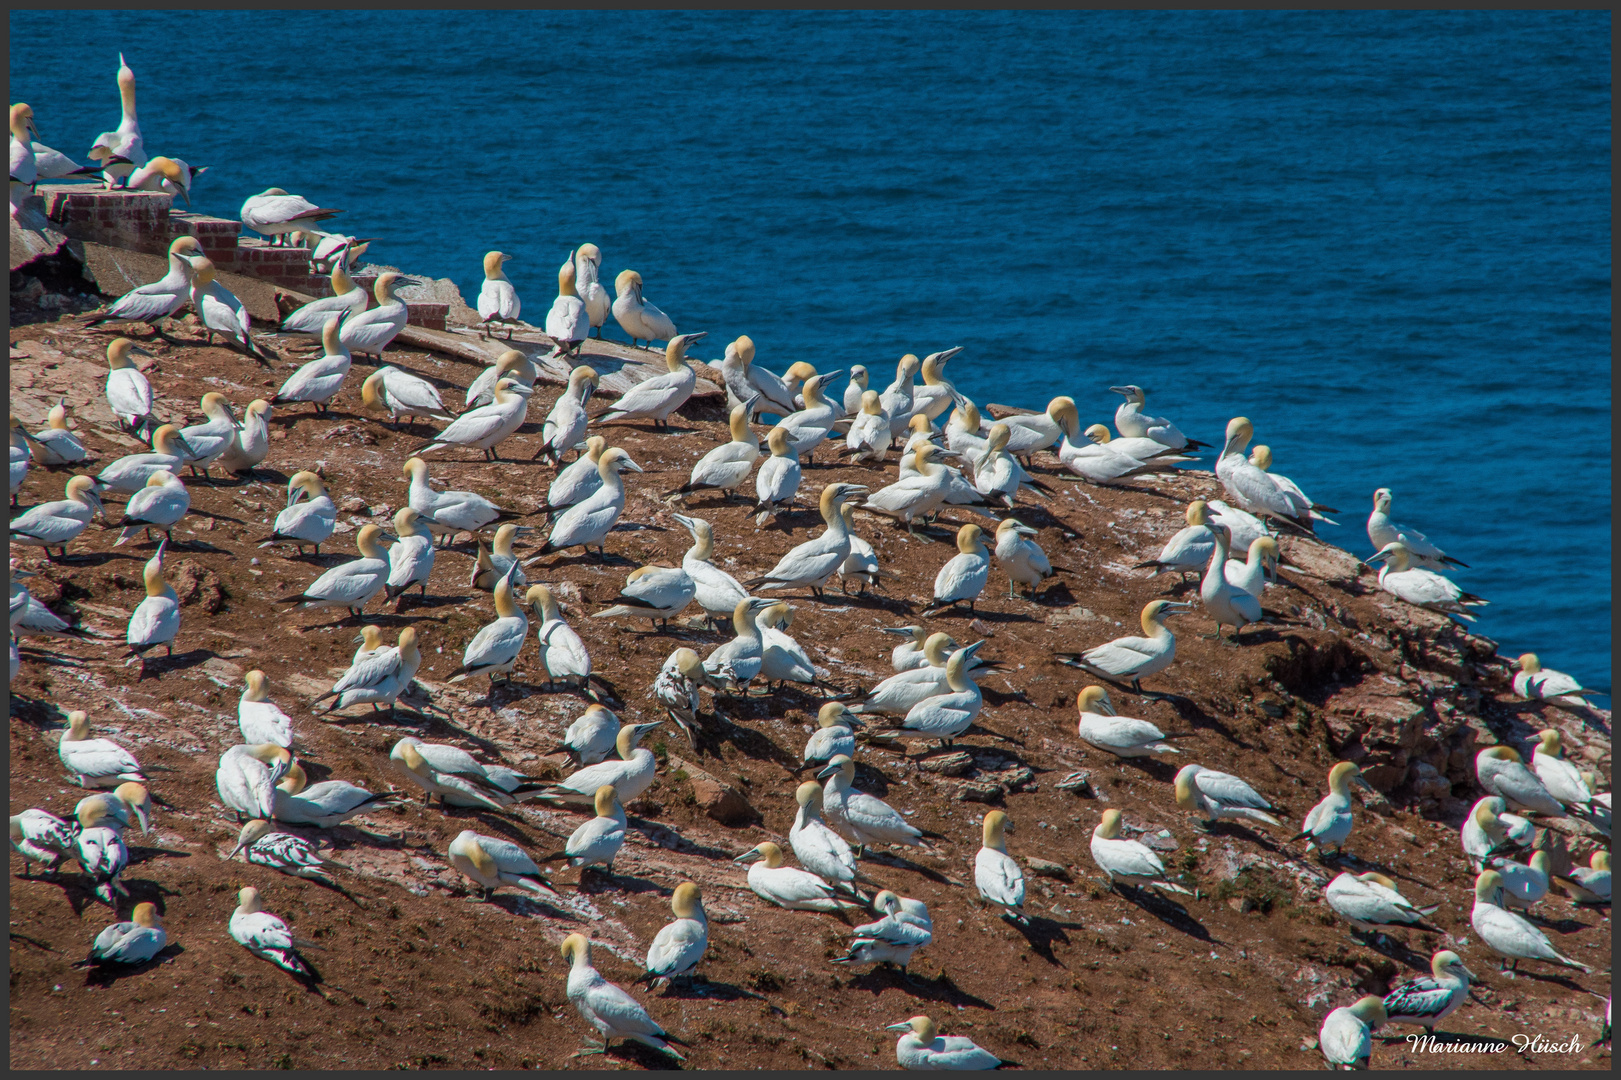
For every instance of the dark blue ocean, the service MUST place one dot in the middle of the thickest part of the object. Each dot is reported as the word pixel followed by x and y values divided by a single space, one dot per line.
pixel 1384 237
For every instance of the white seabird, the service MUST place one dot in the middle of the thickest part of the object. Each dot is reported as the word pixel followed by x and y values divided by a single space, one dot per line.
pixel 1128 860
pixel 562 654
pixel 1216 795
pixel 1345 1037
pixel 817 847
pixel 1261 458
pixel 258 718
pixel 787 886
pixel 1134 658
pixel 156 619
pixel 497 299
pixel 777 482
pixel 606 1007
pixel 324 805
pixel 598 839
pixel 630 774
pixel 1226 602
pixel 676 688
pixel 1507 934
pixel 810 564
pixel 129 394
pixel 1488 829
pixel 1021 557
pixel 247 776
pixel 511 364
pixel 656 398
pixel 860 819
pixel 60 522
pixel 593 735
pixel 56 444
pixel 1250 486
pixel 1373 903
pixel 128 943
pixel 96 763
pixel 716 591
pixel 221 311
pixel 1422 588
pixel 834 736
pixel 996 876
pixel 639 318
pixel 1563 780
pixel 741 658
pixel 1501 771
pixel 449 512
pixel 1537 683
pixel 41 837
pixel 1524 884
pixel 578 479
pixel 1590 884
pixel 1429 999
pixel 653 592
pixel 377 677
pixel 782 659
pixel 304 522
pixel 251 443
pixel 453 774
pixel 868 438
pixel 588 522
pixel 347 299
pixel 587 270
pixel 260 844
pixel 494 649
pixel 487 426
pixel 399 393
pixel 160 505
pixel 319 381
pixel 1190 549
pixel 410 559
pixel 371 331
pixel 862 562
pixel 566 424
pixel 964 575
pixel 1328 824
pixel 726 466
pixel 274 213
pixel 568 323
pixel 1133 447
pixel 679 945
pixel 1122 736
pixel 268 936
pixel 1130 420
pixel 203 444
pixel 1383 531
pixel 922 1047
pixel 352 584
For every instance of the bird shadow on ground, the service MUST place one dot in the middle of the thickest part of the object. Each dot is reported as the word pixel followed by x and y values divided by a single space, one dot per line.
pixel 1558 926
pixel 95 558
pixel 940 988
pixel 419 601
pixel 699 988
pixel 1341 860
pixel 523 906
pixel 155 667
pixel 1197 717
pixel 1167 911
pixel 105 976
pixel 147 854
pixel 1159 770
pixel 1396 950
pixel 78 897
pixel 610 559
pixel 37 714
pixel 884 858
pixel 1040 933
pixel 1239 832
pixel 750 743
pixel 671 840
pixel 1558 980
pixel 645 1056
pixel 595 881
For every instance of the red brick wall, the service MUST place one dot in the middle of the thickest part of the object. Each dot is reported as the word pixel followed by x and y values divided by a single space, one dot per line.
pixel 135 220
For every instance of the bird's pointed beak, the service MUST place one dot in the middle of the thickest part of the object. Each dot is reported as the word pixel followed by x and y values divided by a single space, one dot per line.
pixel 901 631
pixel 827 772
pixel 1126 390
pixel 904 1025
pixel 748 856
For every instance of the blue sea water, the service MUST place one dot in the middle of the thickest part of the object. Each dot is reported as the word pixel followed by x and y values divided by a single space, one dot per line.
pixel 1382 236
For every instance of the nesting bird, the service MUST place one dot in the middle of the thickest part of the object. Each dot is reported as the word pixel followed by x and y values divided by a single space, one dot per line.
pixel 1127 860
pixel 497 299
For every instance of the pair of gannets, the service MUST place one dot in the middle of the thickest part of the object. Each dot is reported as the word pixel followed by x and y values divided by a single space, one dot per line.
pixel 1252 487
pixel 716 591
pixel 205 443
pixel 310 516
pixel 156 619
pixel 568 322
pixel 1421 588
pixel 1328 824
pixel 1192 546
pixel 606 1007
pixel 347 299
pixel 319 381
pixel 653 592
pixel 325 805
pixel 511 364
pixel 811 563
pixel 170 451
pixel 922 493
pixel 904 928
pixel 641 319
pixel 1502 772
pixel 160 505
pixel 1132 422
pixel 399 393
pixel 1489 829
pixel 1134 447
pixel 352 584
pixel 378 675
pixel 448 512
pixel 497 299
pixel 656 398
pixel 1134 658
pixel 1373 903
pixel 588 283
pixel 630 774
pixel 487 426
pixel 259 843
pixel 818 847
pixel 677 688
pixel 949 711
pixel 726 466
pixel 1564 780
pixel 588 522
pixel 997 476
pixel 1382 531
pixel 371 331
pixel 860 819
pixel 566 424
pixel 128 943
pixel 809 427
pixel 494 649
pixel 1227 602
pixel 1128 860
pixel 1098 462
pixel 60 522
pixel 456 777
pixel 492 563
pixel 55 444
pixel 789 887
pixel 1507 934
pixel 920 674
pixel 247 776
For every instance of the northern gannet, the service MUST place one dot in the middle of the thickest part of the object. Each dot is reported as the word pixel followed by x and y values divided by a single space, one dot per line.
pixel 55 165
pixel 24 165
pixel 860 819
pixel 95 763
pixel 896 399
pixel 639 318
pixel 1328 824
pixel 1021 557
pixel 566 424
pixel 325 805
pixel 453 774
pixel 449 512
pixel 726 466
pixel 1096 462
pixel 251 443
pixel 1128 860
pixel 782 659
pixel 1245 526
pixel 1029 432
pixel 679 945
pixel 630 774
pixel 904 928
pixel 578 479
pixel 598 839
pixel 151 304
pixel 913 683
pixel 1134 658
pixel 587 270
pixel 203 444
pixel 1130 420
pixel 1260 567
pixel 1429 999
pixel 328 250
pixel 410 559
pixel 1346 1038
pixel 613 1012
pixel 786 886
pixel 963 576
pixel 716 591
pixel 59 522
pixel 568 323
pixel 302 522
pixel 1261 458
pixel 1132 447
pixel 777 482
pixel 593 735
pixel 588 522
pixel 1537 683
pixel 511 364
pixel 18 461
pixel 30 618
pixel 121 151
pixel 810 564
pixel 260 844
pixel 778 395
pixel 742 656
pixel 377 677
pixel 156 619
pixel 916 496
pixel 656 398
pixel 1250 486
pixel 160 505
pixel 56 444
pixel 319 381
pixel 809 427
pixel 1122 736
pixel 98 847
pixel 834 736
pixel 490 863
pixel 1507 934
pixel 369 332
pixel 274 213
pixel 129 943
pixel 1502 772
pixel 493 562
pixel 1216 795
pixel 862 562
pixel 922 1047
pixel 221 311
pixel 127 804
pixel 268 936
pixel 676 688
pixel 946 715
pixel 653 592
pixel 247 776
pixel 258 718
pixel 1489 830
pixel 347 299
pixel 562 654
pixel 494 649
pixel 1563 780
pixel 855 389
pixel 171 175
pixel 964 429
pixel 497 299
pixel 936 395
pixel 1590 884
pixel 1373 903
pixel 399 393
pixel 487 426
pixel 1524 883
pixel 1382 531
pixel 41 837
pixel 1226 602
pixel 996 876
pixel 997 476
pixel 868 438
pixel 352 584
pixel 817 847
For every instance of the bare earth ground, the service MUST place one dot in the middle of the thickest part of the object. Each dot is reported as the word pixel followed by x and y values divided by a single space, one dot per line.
pixel 421 974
